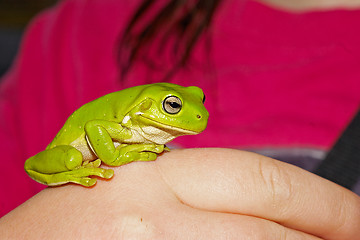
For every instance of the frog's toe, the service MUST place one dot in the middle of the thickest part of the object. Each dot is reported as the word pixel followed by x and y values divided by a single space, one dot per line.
pixel 147 156
pixel 93 164
pixel 108 173
pixel 87 182
pixel 96 163
pixel 159 148
pixel 152 148
pixel 99 172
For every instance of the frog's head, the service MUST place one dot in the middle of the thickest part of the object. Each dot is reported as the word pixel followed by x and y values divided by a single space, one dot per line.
pixel 165 111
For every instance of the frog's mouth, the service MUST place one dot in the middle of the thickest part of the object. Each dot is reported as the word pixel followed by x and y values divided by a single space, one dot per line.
pixel 173 130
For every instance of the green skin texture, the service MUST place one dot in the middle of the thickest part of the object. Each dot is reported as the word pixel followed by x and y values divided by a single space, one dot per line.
pixel 116 129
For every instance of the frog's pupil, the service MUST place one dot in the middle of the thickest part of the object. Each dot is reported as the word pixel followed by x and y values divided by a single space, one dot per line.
pixel 174 105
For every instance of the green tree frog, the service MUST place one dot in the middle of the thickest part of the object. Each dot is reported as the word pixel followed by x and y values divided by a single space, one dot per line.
pixel 133 124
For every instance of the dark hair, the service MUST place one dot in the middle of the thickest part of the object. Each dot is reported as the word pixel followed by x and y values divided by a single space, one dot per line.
pixel 178 22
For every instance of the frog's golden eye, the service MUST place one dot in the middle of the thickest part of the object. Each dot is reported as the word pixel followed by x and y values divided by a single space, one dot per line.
pixel 172 104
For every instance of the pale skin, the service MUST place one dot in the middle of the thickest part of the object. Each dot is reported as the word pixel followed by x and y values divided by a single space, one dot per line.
pixel 192 194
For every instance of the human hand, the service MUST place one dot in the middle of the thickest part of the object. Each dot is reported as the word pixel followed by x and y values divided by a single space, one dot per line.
pixel 193 194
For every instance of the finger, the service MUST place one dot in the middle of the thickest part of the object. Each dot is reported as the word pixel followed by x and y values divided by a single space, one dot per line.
pixel 241 182
pixel 183 222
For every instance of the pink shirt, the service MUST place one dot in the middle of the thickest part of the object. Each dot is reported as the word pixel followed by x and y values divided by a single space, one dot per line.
pixel 272 79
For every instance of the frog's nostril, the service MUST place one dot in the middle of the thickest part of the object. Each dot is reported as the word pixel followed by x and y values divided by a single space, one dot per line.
pixel 198 116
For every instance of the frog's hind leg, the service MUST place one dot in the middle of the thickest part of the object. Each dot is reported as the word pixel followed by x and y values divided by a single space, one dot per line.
pixel 78 176
pixel 64 164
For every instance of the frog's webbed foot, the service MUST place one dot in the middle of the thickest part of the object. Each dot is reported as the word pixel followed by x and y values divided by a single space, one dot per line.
pixel 66 166
pixel 82 175
pixel 136 152
pixel 79 175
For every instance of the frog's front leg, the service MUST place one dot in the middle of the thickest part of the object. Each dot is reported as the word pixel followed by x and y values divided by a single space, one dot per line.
pixel 101 135
pixel 63 164
pixel 136 152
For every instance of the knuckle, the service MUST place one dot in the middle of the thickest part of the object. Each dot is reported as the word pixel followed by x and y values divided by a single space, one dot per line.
pixel 347 213
pixel 277 182
pixel 341 213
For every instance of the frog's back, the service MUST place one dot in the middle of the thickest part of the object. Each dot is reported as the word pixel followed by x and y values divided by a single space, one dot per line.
pixel 111 107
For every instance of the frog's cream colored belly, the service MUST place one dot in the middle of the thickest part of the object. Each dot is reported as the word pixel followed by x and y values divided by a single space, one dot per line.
pixel 155 135
pixel 82 145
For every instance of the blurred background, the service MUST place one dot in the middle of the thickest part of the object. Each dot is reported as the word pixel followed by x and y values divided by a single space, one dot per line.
pixel 14 17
